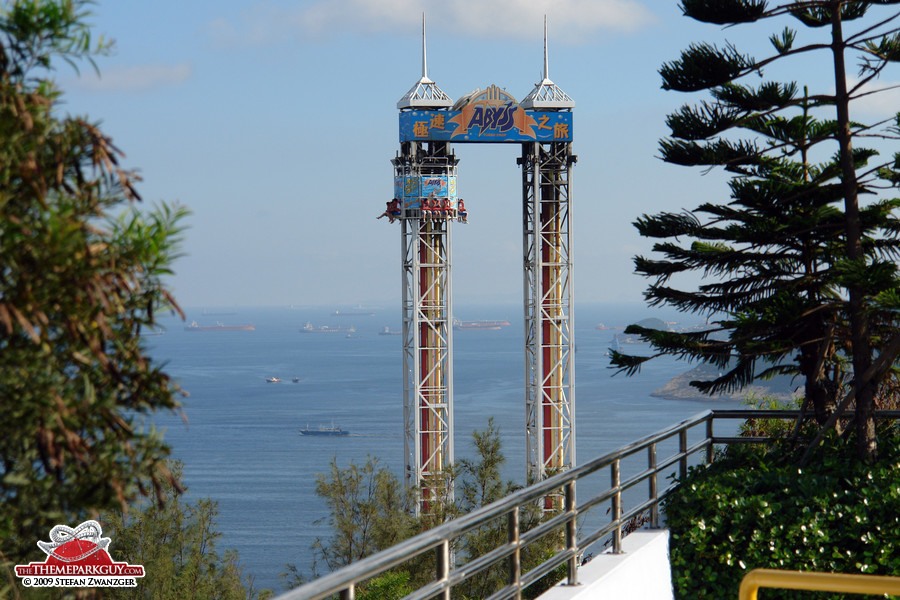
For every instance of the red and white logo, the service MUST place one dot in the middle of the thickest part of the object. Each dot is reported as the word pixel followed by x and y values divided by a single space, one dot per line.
pixel 78 558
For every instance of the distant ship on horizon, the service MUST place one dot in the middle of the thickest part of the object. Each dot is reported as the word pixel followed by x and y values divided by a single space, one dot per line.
pixel 324 430
pixel 489 325
pixel 218 327
pixel 308 328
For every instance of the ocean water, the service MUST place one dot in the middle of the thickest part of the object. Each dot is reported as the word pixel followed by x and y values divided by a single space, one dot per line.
pixel 241 446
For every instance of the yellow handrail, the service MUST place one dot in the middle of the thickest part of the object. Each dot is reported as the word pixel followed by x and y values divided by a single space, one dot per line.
pixel 816 582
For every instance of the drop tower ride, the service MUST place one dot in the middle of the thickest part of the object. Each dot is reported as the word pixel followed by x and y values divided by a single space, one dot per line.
pixel 426 204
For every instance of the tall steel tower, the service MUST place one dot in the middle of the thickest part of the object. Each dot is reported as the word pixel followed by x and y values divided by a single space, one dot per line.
pixel 425 186
pixel 426 203
pixel 549 342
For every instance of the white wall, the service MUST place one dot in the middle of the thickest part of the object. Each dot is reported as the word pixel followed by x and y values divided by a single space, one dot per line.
pixel 641 572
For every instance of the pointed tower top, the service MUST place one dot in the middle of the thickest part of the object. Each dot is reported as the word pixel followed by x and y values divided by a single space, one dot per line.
pixel 425 93
pixel 424 56
pixel 546 59
pixel 546 94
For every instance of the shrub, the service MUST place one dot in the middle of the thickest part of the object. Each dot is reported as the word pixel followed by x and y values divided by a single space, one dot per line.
pixel 755 508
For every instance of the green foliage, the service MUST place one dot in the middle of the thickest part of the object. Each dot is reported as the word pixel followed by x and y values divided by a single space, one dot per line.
pixel 479 482
pixel 754 508
pixel 478 479
pixel 177 545
pixel 773 428
pixel 369 510
pixel 81 275
pixel 390 586
pixel 702 66
pixel 724 12
pixel 798 272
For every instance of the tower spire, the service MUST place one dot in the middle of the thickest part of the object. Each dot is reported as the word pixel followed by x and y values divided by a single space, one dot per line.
pixel 546 59
pixel 546 94
pixel 425 93
pixel 424 53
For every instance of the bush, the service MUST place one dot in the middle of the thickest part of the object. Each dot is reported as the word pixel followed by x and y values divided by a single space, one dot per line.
pixel 755 508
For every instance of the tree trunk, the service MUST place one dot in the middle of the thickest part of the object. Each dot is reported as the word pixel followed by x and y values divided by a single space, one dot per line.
pixel 867 444
pixel 818 388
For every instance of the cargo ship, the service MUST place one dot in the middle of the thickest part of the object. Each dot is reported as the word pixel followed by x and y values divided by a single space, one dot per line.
pixel 308 328
pixel 490 325
pixel 324 430
pixel 218 327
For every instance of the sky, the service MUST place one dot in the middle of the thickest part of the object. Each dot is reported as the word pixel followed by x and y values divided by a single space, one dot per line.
pixel 274 123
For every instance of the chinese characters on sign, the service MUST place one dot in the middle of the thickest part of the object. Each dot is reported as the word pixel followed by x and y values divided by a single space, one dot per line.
pixel 481 123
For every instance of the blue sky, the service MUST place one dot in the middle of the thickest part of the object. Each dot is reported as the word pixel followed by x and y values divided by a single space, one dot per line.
pixel 274 123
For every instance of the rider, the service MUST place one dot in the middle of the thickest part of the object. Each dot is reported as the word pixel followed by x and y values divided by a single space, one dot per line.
pixel 391 211
pixel 462 215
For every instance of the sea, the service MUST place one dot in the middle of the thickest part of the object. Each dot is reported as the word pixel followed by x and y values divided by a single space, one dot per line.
pixel 239 439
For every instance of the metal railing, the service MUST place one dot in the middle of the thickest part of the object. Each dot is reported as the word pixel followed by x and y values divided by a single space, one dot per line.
pixel 691 441
pixel 848 583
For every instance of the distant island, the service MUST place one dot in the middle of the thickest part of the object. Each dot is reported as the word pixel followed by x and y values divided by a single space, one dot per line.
pixel 781 387
pixel 654 323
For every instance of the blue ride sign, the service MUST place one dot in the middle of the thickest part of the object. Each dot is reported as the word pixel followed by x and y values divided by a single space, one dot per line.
pixel 489 116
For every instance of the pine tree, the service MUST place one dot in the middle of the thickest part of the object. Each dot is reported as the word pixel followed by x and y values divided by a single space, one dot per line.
pixel 801 274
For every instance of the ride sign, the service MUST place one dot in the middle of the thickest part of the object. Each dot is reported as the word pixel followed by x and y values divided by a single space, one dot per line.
pixel 489 115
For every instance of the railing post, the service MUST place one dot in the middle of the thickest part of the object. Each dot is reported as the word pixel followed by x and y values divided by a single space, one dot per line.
pixel 515 559
pixel 709 439
pixel 348 593
pixel 572 532
pixel 654 486
pixel 682 449
pixel 443 566
pixel 616 506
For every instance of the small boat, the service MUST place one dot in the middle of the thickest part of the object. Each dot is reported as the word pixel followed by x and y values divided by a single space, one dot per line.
pixel 272 380
pixel 296 380
pixel 387 331
pixel 324 430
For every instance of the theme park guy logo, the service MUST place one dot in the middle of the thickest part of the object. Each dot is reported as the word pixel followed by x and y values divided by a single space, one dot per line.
pixel 78 558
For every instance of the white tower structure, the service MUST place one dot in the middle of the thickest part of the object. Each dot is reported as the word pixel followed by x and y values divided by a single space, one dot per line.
pixel 424 93
pixel 425 182
pixel 546 95
pixel 547 250
pixel 426 203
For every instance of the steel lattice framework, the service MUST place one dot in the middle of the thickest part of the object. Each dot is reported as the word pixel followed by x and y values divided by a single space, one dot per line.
pixel 427 327
pixel 549 343
pixel 425 202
